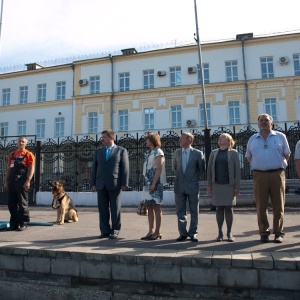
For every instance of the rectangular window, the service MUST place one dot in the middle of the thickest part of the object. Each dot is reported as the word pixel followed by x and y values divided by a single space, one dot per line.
pixel 176 119
pixel 148 79
pixel 4 129
pixel 95 84
pixel 231 70
pixel 124 82
pixel 205 72
pixel 40 128
pixel 175 76
pixel 234 112
pixel 23 94
pixel 149 118
pixel 208 114
pixel 266 64
pixel 93 122
pixel 123 120
pixel 296 58
pixel 6 97
pixel 271 108
pixel 21 127
pixel 59 126
pixel 60 90
pixel 41 92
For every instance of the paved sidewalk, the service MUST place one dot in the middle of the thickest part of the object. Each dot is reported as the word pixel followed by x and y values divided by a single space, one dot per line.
pixel 83 235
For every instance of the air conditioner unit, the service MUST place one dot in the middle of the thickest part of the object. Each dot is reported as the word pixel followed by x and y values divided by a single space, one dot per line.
pixel 192 70
pixel 191 122
pixel 283 60
pixel 83 82
pixel 161 73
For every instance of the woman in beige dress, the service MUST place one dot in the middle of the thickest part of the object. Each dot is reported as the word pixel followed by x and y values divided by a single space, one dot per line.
pixel 223 182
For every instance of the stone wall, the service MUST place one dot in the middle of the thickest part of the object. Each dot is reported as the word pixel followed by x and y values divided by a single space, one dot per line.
pixel 127 273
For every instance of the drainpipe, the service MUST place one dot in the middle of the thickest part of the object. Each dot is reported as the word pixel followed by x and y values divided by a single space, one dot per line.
pixel 242 38
pixel 73 103
pixel 112 93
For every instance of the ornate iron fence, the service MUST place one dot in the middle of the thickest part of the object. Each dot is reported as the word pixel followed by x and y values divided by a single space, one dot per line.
pixel 71 159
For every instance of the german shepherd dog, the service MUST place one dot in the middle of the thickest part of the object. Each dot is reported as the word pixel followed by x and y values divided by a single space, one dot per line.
pixel 66 211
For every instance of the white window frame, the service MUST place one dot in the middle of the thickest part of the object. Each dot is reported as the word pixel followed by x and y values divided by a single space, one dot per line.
pixel 124 81
pixel 296 59
pixel 41 92
pixel 4 129
pixel 176 116
pixel 148 79
pixel 270 105
pixel 21 128
pixel 23 94
pixel 234 112
pixel 95 84
pixel 59 129
pixel 231 67
pixel 208 111
pixel 40 128
pixel 149 118
pixel 175 76
pixel 123 119
pixel 6 97
pixel 205 67
pixel 92 122
pixel 267 67
pixel 60 90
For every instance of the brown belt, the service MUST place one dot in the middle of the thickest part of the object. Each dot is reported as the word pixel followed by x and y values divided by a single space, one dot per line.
pixel 269 171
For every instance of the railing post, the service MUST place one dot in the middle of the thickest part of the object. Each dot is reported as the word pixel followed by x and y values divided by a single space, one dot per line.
pixel 37 168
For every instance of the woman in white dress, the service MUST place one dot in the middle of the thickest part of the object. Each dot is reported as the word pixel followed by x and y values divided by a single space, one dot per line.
pixel 154 178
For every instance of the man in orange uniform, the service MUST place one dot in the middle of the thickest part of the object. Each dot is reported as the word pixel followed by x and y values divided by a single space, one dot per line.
pixel 20 170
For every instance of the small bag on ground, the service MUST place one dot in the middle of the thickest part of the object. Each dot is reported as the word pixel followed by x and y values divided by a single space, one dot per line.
pixel 142 209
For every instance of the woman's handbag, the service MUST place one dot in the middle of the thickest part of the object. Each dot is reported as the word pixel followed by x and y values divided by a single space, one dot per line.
pixel 142 209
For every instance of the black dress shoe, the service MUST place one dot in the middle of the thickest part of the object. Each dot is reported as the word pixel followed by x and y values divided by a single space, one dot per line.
pixel 22 227
pixel 104 235
pixel 264 238
pixel 194 239
pixel 113 236
pixel 13 228
pixel 181 238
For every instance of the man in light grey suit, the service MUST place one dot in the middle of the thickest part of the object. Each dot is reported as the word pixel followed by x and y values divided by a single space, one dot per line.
pixel 188 165
pixel 110 172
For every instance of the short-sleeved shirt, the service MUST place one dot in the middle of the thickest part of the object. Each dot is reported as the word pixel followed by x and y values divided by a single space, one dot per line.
pixel 297 150
pixel 28 159
pixel 269 154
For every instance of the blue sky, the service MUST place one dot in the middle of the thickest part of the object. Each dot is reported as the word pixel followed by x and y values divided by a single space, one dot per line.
pixel 40 30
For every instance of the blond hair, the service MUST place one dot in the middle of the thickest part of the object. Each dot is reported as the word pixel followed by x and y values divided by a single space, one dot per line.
pixel 189 135
pixel 230 139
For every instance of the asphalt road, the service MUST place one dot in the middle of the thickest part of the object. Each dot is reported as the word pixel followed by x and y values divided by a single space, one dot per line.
pixel 83 235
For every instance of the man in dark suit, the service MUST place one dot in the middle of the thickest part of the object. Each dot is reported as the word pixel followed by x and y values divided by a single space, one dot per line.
pixel 110 172
pixel 188 165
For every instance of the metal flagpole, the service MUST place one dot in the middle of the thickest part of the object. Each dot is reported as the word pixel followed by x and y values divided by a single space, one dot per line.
pixel 206 130
pixel 201 67
pixel 1 20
